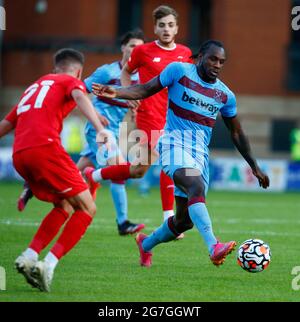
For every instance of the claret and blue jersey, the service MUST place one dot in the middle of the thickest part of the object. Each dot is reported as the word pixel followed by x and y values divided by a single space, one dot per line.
pixel 193 103
pixel 193 106
pixel 113 109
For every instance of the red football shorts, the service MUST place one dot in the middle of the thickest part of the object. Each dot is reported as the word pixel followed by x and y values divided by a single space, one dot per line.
pixel 152 131
pixel 50 172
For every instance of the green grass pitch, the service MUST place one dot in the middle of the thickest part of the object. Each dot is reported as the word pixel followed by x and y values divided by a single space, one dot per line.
pixel 105 266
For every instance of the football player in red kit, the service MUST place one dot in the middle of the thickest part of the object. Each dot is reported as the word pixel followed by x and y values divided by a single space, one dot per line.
pixel 40 159
pixel 149 60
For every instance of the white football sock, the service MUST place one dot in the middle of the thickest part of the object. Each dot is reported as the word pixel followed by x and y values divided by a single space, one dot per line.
pixel 96 175
pixel 51 260
pixel 31 254
pixel 168 213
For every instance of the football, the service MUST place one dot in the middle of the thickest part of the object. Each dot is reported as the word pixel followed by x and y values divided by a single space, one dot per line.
pixel 254 255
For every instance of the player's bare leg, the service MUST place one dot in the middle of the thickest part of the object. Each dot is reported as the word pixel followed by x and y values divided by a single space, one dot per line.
pixel 84 162
pixel 124 171
pixel 24 197
pixel 166 185
pixel 136 169
pixel 119 195
pixel 86 166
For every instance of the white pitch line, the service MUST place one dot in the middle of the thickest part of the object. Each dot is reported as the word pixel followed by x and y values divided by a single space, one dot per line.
pixel 263 221
pixel 257 233
pixel 230 221
pixel 100 224
pixel 244 204
pixel 96 224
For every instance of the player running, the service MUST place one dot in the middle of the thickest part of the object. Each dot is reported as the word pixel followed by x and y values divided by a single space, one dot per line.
pixel 149 60
pixel 40 159
pixel 195 95
pixel 114 111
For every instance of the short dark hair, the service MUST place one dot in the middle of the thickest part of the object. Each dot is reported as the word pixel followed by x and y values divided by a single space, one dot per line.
pixel 132 34
pixel 206 45
pixel 68 55
pixel 163 11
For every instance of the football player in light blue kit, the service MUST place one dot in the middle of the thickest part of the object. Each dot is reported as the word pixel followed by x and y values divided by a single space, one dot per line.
pixel 114 111
pixel 195 97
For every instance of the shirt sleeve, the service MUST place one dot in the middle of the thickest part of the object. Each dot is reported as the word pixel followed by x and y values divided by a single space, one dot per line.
pixel 229 109
pixel 100 75
pixel 75 84
pixel 135 60
pixel 12 116
pixel 170 74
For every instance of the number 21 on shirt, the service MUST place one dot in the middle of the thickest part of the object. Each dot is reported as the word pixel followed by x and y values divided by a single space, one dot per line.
pixel 43 90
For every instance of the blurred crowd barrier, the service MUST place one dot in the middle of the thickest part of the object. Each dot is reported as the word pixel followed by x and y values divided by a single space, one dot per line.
pixel 225 174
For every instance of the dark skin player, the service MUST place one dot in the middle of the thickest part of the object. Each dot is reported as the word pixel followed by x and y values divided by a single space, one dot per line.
pixel 209 62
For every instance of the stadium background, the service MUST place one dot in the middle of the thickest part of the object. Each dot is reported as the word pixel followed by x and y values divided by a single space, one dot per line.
pixel 263 68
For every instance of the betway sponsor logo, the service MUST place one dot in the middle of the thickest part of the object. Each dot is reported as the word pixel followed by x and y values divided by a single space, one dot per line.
pixel 196 101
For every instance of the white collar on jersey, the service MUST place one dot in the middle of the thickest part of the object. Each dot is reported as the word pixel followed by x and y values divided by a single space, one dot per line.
pixel 160 46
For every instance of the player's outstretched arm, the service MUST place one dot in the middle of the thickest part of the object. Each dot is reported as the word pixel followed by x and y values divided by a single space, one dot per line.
pixel 5 127
pixel 134 92
pixel 241 142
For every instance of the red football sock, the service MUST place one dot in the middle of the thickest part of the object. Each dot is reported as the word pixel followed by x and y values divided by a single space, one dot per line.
pixel 166 191
pixel 116 172
pixel 48 229
pixel 72 233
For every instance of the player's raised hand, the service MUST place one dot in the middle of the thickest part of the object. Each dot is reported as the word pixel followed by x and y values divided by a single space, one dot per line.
pixel 104 121
pixel 262 178
pixel 104 90
pixel 133 105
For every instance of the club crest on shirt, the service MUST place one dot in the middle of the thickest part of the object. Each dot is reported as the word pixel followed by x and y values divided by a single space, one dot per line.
pixel 218 96
pixel 156 59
